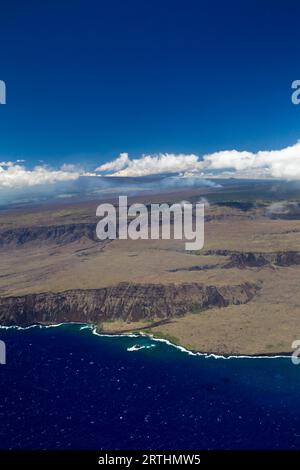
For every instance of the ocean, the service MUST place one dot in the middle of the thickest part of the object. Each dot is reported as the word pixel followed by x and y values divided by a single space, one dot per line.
pixel 67 388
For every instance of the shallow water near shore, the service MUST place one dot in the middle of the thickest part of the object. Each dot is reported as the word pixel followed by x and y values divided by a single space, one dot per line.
pixel 66 388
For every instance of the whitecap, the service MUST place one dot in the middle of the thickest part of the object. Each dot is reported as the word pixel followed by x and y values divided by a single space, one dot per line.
pixel 153 338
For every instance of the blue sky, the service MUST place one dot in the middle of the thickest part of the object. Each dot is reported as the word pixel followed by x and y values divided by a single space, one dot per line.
pixel 87 80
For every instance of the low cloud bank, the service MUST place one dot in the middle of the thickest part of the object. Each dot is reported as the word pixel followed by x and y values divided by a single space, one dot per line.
pixel 14 175
pixel 151 164
pixel 283 163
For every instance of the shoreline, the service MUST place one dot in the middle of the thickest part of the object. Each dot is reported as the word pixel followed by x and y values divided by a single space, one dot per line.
pixel 93 328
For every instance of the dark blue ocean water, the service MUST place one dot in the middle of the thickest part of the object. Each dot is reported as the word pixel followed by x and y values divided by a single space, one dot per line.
pixel 65 388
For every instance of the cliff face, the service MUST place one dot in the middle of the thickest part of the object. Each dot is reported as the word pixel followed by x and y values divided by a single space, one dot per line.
pixel 256 259
pixel 244 260
pixel 251 260
pixel 124 301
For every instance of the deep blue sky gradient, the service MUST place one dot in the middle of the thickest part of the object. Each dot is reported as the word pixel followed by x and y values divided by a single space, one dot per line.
pixel 89 79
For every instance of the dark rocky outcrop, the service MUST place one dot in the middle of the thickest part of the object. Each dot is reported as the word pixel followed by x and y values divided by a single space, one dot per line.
pixel 258 260
pixel 124 301
pixel 244 260
pixel 241 205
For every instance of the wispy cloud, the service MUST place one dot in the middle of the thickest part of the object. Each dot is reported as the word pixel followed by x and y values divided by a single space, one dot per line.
pixel 8 163
pixel 282 207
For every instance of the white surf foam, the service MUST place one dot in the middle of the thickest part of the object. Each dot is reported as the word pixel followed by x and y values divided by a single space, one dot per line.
pixel 153 338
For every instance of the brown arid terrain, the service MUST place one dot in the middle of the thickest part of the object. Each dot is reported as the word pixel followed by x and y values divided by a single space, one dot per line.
pixel 239 295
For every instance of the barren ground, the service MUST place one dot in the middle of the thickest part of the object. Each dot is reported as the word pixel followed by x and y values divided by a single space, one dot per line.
pixel 266 325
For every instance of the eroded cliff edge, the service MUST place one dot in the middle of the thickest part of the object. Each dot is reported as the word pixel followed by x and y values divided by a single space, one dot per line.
pixel 125 301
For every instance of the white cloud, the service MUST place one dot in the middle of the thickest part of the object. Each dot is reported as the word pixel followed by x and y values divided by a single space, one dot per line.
pixel 151 164
pixel 8 163
pixel 71 168
pixel 283 207
pixel 15 176
pixel 116 165
pixel 204 201
pixel 283 163
pixel 228 159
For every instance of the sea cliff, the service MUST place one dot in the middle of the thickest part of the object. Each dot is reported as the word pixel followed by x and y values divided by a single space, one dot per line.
pixel 125 301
